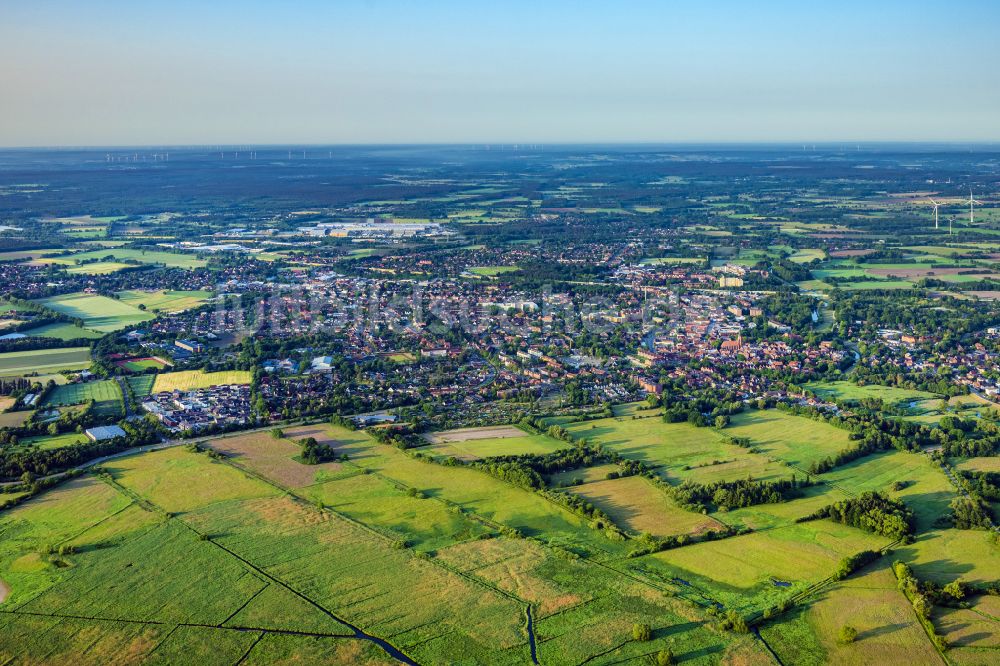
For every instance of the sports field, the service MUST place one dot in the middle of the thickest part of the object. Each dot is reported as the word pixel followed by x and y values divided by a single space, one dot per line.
pixel 141 364
pixel 99 313
pixel 187 380
pixel 75 394
pixel 44 360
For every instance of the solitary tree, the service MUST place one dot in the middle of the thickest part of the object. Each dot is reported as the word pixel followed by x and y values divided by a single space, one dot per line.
pixel 641 632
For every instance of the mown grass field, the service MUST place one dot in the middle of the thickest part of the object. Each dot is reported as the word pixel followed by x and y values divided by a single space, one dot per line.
pixel 187 380
pixel 99 313
pixel 75 394
pixel 47 442
pixel 63 331
pixel 44 360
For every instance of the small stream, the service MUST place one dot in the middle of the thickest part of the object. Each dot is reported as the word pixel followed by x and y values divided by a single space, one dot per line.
pixel 531 635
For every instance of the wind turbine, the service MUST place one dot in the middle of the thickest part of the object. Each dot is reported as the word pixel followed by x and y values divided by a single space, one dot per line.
pixel 972 210
pixel 936 206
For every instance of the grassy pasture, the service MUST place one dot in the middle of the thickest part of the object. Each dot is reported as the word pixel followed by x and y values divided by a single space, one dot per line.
pixel 275 458
pixel 927 490
pixel 740 572
pixel 806 255
pixel 985 464
pixel 679 451
pixel 489 498
pixel 47 442
pixel 165 300
pixel 141 364
pixel 845 390
pixel 637 506
pixel 14 419
pixel 44 360
pixel 63 331
pixel 948 554
pixel 888 631
pixel 796 440
pixel 425 524
pixel 99 313
pixel 169 259
pixel 187 380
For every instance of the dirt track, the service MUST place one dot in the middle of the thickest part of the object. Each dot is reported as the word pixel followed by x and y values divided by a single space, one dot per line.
pixel 4 591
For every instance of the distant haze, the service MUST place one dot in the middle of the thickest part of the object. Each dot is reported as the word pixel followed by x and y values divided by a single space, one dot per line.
pixel 343 71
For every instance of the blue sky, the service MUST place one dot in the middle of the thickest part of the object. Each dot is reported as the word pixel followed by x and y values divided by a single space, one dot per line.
pixel 347 71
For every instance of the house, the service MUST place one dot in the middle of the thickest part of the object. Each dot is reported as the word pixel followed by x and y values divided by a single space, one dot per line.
pixel 103 433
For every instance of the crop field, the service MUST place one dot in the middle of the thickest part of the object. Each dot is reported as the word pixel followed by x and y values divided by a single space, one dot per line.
pixel 187 380
pixel 637 506
pixel 165 300
pixel 75 394
pixel 63 331
pixel 96 268
pixel 99 313
pixel 477 443
pixel 797 440
pixel 844 390
pixel 44 360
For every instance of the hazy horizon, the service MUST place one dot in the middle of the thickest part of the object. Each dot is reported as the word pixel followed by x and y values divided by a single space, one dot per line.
pixel 116 74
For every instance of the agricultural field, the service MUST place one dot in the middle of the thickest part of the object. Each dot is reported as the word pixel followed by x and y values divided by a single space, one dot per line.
pixel 492 271
pixel 169 259
pixel 165 300
pixel 187 380
pixel 63 331
pixel 44 360
pixel 98 313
